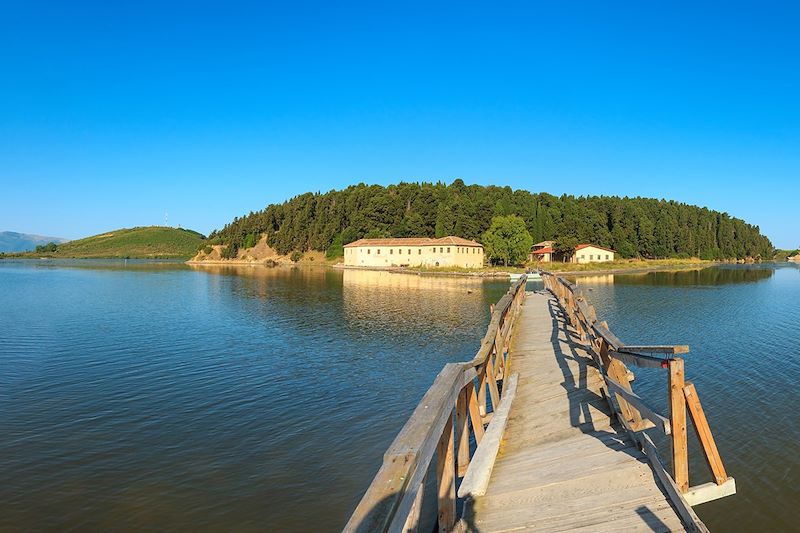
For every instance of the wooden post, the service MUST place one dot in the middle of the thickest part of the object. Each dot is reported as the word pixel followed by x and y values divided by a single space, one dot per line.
pixel 617 371
pixel 462 429
pixel 499 354
pixel 412 520
pixel 494 392
pixel 499 360
pixel 704 434
pixel 677 413
pixel 474 413
pixel 445 478
pixel 482 390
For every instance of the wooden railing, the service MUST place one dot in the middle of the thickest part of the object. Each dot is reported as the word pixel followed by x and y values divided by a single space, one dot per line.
pixel 611 356
pixel 464 399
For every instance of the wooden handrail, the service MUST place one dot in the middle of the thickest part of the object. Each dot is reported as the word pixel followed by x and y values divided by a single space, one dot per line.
pixel 632 398
pixel 393 499
pixel 611 355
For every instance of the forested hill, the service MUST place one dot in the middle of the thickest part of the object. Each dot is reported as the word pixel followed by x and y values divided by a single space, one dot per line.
pixel 633 226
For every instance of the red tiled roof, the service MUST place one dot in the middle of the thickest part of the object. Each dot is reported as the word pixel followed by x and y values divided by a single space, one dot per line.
pixel 412 241
pixel 582 246
pixel 548 250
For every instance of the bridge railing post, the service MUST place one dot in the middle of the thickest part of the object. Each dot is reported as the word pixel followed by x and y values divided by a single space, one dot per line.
pixel 445 478
pixel 677 412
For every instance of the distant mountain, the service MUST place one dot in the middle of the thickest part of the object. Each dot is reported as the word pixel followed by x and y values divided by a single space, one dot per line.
pixel 143 242
pixel 11 241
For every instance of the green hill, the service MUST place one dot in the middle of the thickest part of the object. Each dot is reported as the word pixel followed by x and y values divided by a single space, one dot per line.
pixel 635 227
pixel 152 242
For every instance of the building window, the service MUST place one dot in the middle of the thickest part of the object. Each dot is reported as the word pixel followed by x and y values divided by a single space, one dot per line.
pixel 391 251
pixel 441 250
pixel 591 257
pixel 378 251
pixel 606 257
pixel 420 251
pixel 409 251
pixel 368 251
pixel 448 249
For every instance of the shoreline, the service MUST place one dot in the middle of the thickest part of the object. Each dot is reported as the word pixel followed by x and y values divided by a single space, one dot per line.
pixel 639 270
pixel 488 274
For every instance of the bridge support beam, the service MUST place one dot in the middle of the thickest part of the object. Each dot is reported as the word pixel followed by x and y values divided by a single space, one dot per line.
pixel 677 404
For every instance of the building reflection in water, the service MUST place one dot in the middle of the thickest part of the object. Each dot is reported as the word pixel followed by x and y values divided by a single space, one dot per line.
pixel 428 305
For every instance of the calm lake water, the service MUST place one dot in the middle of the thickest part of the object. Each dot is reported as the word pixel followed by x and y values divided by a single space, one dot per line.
pixel 157 396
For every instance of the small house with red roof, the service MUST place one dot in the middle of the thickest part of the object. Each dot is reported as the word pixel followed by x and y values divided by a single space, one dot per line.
pixel 544 252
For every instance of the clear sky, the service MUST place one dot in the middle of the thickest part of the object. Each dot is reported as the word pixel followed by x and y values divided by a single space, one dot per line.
pixel 112 115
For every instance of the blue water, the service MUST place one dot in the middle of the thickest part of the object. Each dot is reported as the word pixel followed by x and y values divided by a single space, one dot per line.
pixel 157 396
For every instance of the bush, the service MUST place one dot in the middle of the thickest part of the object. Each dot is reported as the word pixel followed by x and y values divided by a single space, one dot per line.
pixel 230 251
pixel 47 248
pixel 250 241
pixel 296 256
pixel 207 249
pixel 336 248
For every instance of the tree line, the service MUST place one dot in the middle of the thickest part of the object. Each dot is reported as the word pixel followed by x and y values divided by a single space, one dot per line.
pixel 634 227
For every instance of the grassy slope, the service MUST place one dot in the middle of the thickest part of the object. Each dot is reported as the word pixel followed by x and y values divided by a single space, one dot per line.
pixel 146 242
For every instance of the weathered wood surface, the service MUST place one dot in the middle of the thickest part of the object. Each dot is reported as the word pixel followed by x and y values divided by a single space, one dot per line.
pixel 562 464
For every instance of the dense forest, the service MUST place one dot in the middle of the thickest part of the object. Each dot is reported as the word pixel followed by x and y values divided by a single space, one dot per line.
pixel 635 227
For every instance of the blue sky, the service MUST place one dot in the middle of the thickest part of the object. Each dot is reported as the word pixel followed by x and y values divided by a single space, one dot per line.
pixel 112 115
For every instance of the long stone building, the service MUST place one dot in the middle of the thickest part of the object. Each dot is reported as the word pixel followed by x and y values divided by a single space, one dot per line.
pixel 443 252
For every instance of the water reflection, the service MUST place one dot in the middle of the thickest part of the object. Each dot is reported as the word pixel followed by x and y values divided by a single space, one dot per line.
pixel 97 264
pixel 393 302
pixel 603 279
pixel 685 278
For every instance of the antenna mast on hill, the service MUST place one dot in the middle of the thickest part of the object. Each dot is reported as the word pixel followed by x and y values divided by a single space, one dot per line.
pixel 166 219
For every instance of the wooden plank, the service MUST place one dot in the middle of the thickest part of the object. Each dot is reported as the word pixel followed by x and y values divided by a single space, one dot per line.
pixel 477 478
pixel 601 329
pixel 586 311
pixel 412 521
pixel 710 491
pixel 427 420
pixel 462 431
pixel 377 507
pixel 632 398
pixel 494 392
pixel 445 478
pixel 642 361
pixel 668 349
pixel 704 434
pixel 617 371
pixel 687 514
pixel 677 402
pixel 474 413
pixel 482 390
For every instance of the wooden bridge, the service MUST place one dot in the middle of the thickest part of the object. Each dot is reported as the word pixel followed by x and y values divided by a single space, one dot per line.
pixel 541 431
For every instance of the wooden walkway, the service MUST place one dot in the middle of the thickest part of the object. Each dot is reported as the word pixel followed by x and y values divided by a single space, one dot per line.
pixel 562 464
pixel 542 431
